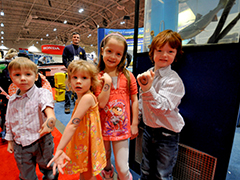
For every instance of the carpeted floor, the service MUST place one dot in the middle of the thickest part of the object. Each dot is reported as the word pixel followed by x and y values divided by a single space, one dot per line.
pixel 60 114
pixel 234 164
pixel 9 169
pixel 64 119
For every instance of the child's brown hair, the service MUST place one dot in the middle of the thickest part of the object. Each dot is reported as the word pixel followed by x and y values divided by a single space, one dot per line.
pixel 167 36
pixel 22 62
pixel 77 65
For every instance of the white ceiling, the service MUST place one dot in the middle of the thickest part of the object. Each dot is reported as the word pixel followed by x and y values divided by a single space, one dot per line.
pixel 27 21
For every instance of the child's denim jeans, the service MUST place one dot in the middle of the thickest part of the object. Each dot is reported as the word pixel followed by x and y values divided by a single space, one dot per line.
pixel 160 150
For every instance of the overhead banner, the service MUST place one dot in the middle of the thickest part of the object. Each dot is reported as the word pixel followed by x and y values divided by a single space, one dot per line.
pixel 127 33
pixel 52 49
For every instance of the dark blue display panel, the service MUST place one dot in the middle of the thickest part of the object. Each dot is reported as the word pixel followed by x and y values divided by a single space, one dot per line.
pixel 211 75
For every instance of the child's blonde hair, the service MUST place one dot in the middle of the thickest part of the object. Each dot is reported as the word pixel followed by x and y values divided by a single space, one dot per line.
pixel 82 65
pixel 122 65
pixel 22 63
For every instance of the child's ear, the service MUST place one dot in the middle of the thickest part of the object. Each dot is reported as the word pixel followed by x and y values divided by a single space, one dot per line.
pixel 101 50
pixel 36 78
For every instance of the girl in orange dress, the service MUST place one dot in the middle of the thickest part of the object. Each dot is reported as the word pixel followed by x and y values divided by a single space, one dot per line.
pixel 82 137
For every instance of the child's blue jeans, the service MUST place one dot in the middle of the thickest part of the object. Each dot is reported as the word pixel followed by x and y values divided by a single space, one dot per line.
pixel 160 150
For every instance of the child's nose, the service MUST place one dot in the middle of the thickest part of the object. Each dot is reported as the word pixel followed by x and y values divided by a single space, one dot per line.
pixel 164 53
pixel 113 56
pixel 23 77
pixel 79 80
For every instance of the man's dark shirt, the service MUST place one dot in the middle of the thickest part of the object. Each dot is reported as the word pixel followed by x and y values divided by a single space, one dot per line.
pixel 70 51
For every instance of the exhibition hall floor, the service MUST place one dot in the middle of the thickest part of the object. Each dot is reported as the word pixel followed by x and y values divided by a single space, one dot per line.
pixel 234 164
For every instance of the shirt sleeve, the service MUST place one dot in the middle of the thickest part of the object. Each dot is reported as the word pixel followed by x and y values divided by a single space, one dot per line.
pixel 9 135
pixel 133 85
pixel 167 98
pixel 84 55
pixel 46 99
pixel 139 108
pixel 65 57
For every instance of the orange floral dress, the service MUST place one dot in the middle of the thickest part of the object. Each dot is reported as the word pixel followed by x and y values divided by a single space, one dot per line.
pixel 86 148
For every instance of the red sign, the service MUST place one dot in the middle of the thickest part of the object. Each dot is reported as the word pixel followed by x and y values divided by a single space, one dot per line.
pixel 52 49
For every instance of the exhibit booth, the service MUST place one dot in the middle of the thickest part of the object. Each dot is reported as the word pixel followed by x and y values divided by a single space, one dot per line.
pixel 210 72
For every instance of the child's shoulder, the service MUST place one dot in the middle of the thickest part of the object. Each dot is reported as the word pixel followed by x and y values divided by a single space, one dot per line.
pixel 43 93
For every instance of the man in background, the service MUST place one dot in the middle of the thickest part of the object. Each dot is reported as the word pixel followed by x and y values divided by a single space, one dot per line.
pixel 72 52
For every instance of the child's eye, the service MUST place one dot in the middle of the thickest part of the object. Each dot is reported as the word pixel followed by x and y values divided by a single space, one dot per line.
pixel 119 54
pixel 84 77
pixel 159 50
pixel 16 74
pixel 74 77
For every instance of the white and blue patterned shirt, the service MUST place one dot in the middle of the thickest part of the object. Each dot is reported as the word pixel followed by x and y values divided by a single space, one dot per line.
pixel 25 115
pixel 159 105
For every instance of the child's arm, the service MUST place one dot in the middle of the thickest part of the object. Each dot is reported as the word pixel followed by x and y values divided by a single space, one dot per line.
pixel 49 124
pixel 103 97
pixel 85 103
pixel 134 125
pixel 163 99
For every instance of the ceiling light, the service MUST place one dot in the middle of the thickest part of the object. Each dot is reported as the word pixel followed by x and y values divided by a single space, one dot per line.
pixel 2 37
pixel 2 13
pixel 2 25
pixel 1 41
pixel 91 45
pixel 41 39
pixel 47 35
pixel 37 42
pixel 81 10
pixel 123 22
pixel 65 22
pixel 2 32
pixel 54 29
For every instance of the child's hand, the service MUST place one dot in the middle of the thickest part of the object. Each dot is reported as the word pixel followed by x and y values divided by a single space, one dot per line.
pixel 145 80
pixel 134 131
pixel 106 78
pixel 47 127
pixel 10 147
pixel 58 160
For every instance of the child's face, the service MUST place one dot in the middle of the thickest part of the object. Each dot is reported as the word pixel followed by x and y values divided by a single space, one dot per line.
pixel 81 82
pixel 112 53
pixel 24 78
pixel 164 56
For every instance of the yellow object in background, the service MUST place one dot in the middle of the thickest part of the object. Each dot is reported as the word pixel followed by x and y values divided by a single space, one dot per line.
pixel 59 94
pixel 59 80
pixel 60 86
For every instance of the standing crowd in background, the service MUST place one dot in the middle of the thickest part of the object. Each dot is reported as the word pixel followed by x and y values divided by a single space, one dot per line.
pixel 106 115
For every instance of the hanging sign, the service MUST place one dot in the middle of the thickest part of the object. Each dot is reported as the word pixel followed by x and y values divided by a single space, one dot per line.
pixel 52 49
